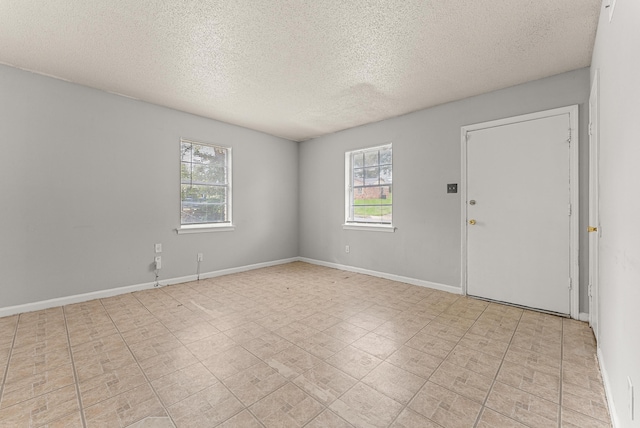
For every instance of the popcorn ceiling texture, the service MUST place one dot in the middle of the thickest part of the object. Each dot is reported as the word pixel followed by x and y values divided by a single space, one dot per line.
pixel 293 68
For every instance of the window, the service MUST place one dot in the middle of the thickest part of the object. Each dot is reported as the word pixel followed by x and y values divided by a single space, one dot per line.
pixel 205 185
pixel 369 198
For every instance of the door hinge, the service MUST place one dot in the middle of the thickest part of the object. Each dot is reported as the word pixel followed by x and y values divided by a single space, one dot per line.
pixel 569 213
pixel 569 139
pixel 467 136
pixel 590 129
pixel 570 283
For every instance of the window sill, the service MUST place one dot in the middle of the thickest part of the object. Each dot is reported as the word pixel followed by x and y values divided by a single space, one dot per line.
pixel 369 227
pixel 205 228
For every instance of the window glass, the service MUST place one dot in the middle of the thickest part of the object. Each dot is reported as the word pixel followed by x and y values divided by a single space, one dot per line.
pixel 205 183
pixel 369 185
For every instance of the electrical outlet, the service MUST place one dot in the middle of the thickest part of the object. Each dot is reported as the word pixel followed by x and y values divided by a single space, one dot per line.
pixel 347 249
pixel 631 403
pixel 200 257
pixel 158 262
pixel 452 188
pixel 158 248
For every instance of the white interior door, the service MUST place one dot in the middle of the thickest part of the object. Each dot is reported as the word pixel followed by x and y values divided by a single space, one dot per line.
pixel 518 213
pixel 594 221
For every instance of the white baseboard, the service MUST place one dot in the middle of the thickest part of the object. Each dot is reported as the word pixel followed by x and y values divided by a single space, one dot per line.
pixel 392 277
pixel 76 298
pixel 246 268
pixel 607 390
pixel 583 316
pixel 84 297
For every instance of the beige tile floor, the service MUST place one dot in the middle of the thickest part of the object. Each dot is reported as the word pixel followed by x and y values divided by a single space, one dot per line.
pixel 297 345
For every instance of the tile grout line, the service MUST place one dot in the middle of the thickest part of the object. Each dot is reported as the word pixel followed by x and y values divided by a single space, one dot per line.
pixel 443 360
pixel 75 372
pixel 428 378
pixel 404 406
pixel 247 408
pixel 155 393
pixel 198 359
pixel 495 377
pixel 244 407
pixel 6 369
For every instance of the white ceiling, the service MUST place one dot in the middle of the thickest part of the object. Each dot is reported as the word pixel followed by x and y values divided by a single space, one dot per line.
pixel 298 68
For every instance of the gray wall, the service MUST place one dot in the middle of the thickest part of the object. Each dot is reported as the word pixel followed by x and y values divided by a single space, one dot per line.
pixel 426 156
pixel 617 58
pixel 89 182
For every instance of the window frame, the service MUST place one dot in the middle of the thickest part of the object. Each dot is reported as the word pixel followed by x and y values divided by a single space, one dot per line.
pixel 226 225
pixel 349 222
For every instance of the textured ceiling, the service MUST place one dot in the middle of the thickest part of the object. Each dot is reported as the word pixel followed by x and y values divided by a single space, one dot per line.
pixel 296 68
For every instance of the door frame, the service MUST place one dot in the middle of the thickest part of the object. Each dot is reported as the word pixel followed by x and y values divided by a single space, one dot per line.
pixel 594 205
pixel 574 221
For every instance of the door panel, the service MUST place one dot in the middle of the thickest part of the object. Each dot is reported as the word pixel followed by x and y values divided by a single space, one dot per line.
pixel 518 250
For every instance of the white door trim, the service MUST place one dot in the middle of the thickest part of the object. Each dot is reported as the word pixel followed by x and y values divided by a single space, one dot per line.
pixel 594 204
pixel 573 180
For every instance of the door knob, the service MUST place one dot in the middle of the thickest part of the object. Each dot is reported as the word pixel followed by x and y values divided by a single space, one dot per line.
pixel 592 229
pixel 472 222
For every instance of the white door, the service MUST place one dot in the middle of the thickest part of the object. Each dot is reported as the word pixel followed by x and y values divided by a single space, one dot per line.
pixel 594 222
pixel 518 213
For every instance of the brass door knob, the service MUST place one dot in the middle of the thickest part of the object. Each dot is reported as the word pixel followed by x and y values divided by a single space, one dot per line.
pixel 472 222
pixel 592 229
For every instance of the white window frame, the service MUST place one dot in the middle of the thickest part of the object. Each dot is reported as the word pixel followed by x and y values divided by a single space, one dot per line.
pixel 226 225
pixel 349 223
